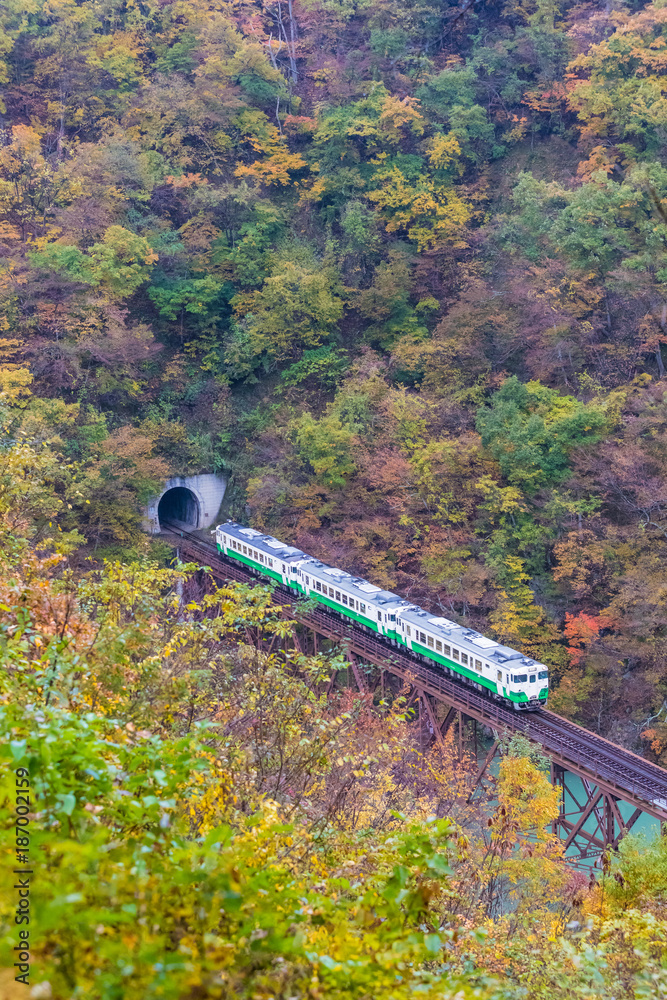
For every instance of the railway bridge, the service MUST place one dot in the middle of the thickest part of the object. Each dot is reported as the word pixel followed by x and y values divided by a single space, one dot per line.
pixel 605 789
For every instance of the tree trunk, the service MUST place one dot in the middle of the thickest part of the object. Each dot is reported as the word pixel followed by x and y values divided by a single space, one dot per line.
pixel 294 34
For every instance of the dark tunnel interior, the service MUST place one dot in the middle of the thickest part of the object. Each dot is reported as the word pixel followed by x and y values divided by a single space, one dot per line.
pixel 179 504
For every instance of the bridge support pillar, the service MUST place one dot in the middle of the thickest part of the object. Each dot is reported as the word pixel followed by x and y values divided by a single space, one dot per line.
pixel 355 664
pixel 439 729
pixel 429 711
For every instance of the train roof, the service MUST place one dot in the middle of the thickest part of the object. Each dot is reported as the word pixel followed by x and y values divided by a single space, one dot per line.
pixel 466 638
pixel 365 591
pixel 265 543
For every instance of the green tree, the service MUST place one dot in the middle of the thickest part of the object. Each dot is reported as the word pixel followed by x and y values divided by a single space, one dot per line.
pixel 327 444
pixel 295 308
pixel 118 265
pixel 531 431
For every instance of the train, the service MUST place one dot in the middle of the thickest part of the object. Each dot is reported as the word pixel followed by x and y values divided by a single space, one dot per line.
pixel 502 673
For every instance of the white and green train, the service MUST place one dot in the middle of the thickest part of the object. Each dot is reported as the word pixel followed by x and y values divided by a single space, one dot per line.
pixel 485 664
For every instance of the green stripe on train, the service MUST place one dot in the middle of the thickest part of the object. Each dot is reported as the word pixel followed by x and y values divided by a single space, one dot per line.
pixel 348 612
pixel 456 667
pixel 251 562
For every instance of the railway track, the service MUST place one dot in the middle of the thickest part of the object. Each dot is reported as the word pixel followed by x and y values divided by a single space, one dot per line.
pixel 617 771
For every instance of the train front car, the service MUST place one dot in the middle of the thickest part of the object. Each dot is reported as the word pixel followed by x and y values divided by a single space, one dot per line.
pixel 481 662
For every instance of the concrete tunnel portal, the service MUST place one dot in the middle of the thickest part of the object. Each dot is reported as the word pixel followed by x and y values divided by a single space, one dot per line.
pixel 179 504
pixel 194 501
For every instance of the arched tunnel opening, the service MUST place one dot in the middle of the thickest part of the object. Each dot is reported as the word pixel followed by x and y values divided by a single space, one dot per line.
pixel 179 504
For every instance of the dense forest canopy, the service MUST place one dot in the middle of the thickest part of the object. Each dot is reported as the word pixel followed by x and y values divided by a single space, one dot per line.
pixel 399 269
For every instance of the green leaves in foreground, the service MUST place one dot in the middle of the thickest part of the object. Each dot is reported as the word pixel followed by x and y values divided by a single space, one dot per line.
pixel 138 898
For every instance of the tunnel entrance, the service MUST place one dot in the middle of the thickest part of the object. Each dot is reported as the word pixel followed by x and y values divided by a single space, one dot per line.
pixel 179 504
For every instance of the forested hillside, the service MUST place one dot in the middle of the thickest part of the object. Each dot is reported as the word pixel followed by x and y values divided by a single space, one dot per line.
pixel 399 269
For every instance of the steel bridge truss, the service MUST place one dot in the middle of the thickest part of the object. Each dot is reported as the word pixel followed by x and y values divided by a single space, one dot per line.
pixel 591 820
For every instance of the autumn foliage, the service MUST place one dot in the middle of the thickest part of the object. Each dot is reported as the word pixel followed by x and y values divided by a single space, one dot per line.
pixel 398 269
pixel 214 815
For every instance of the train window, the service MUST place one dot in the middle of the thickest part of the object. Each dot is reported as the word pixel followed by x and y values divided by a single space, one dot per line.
pixel 318 585
pixel 379 616
pixel 421 637
pixel 500 675
pixel 543 674
pixel 344 598
pixel 338 595
pixel 532 678
pixel 438 645
pixel 245 551
pixel 464 658
pixel 270 561
pixel 448 650
pixel 455 653
pixel 478 664
pixel 331 591
pixel 407 629
pixel 430 641
pixel 520 678
pixel 392 618
pixel 363 608
pixel 357 605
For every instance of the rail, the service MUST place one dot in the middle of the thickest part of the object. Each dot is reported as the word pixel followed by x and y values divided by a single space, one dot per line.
pixel 617 771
